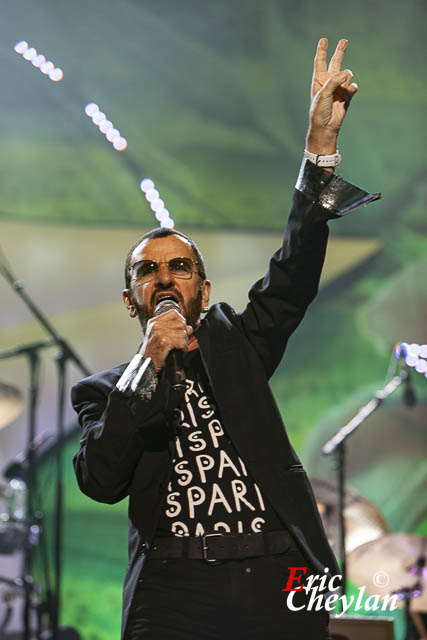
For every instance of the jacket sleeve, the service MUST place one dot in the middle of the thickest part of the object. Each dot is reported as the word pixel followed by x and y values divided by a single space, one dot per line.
pixel 117 428
pixel 277 302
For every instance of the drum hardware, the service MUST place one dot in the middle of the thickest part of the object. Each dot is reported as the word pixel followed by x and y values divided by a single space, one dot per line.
pixel 11 404
pixel 363 520
pixel 393 565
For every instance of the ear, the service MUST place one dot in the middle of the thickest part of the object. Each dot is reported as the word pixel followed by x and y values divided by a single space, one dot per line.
pixel 206 292
pixel 128 303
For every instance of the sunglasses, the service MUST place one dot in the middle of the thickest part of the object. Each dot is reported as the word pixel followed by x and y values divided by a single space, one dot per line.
pixel 146 270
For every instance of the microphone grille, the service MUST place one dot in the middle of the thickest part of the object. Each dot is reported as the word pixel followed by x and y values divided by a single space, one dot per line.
pixel 166 305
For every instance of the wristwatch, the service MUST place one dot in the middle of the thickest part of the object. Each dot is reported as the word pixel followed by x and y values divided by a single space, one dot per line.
pixel 323 161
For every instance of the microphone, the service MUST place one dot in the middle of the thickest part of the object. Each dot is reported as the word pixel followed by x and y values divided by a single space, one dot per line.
pixel 175 359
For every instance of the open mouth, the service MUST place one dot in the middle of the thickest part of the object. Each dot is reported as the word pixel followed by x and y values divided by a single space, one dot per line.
pixel 160 297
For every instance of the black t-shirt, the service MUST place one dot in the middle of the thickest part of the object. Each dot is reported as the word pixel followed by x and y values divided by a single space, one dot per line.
pixel 210 489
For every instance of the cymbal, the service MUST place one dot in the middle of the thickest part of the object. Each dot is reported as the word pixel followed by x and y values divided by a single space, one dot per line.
pixel 363 520
pixel 389 564
pixel 11 403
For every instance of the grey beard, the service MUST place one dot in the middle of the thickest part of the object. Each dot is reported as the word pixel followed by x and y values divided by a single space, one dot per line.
pixel 192 312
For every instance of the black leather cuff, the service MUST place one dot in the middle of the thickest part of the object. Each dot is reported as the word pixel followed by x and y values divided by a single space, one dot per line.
pixel 334 194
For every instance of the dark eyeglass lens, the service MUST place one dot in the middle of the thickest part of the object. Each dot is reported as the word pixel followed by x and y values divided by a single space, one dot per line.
pixel 145 269
pixel 180 266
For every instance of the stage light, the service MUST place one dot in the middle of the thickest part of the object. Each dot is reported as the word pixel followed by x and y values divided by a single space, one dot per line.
pixel 91 108
pixel 146 184
pixel 413 349
pixel 162 214
pixel 30 53
pixel 120 143
pixel 98 117
pixel 47 67
pixel 167 223
pixel 411 360
pixel 112 134
pixel 157 204
pixel 152 194
pixel 421 366
pixel 21 47
pixel 38 61
pixel 105 126
pixel 56 74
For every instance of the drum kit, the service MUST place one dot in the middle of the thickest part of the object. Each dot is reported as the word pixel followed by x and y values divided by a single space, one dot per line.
pixel 19 531
pixel 386 564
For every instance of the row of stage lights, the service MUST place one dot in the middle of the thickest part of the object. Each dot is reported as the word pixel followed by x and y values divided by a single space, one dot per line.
pixel 415 355
pixel 104 125
pixel 157 205
pixel 38 60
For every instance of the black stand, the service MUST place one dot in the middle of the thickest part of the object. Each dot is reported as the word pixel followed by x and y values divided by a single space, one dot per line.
pixel 337 444
pixel 66 353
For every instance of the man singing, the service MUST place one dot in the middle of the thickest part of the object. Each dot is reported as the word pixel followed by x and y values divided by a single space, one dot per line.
pixel 220 505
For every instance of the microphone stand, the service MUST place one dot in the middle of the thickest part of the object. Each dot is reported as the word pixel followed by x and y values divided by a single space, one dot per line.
pixel 337 445
pixel 66 353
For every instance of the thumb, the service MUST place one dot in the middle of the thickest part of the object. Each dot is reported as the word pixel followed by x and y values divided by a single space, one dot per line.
pixel 190 330
pixel 337 79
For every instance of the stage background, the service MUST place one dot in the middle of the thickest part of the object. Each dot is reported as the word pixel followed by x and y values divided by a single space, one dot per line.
pixel 213 99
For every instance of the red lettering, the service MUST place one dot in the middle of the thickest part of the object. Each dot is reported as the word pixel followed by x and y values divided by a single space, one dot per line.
pixel 293 577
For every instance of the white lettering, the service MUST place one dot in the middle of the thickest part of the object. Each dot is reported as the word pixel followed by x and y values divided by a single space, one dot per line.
pixel 204 404
pixel 178 448
pixel 172 500
pixel 225 461
pixel 215 429
pixel 345 605
pixel 260 500
pixel 218 498
pixel 315 600
pixel 256 524
pixel 204 463
pixel 195 497
pixel 330 602
pixel 387 599
pixel 331 585
pixel 245 473
pixel 180 529
pixel 191 414
pixel 190 390
pixel 239 490
pixel 290 603
pixel 200 444
pixel 186 475
pixel 372 603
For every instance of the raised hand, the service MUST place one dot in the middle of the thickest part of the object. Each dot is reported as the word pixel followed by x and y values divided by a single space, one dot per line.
pixel 331 93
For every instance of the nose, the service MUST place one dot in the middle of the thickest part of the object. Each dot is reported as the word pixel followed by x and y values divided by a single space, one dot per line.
pixel 163 275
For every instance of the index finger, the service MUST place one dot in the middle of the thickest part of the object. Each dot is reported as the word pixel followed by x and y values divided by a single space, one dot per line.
pixel 337 58
pixel 320 57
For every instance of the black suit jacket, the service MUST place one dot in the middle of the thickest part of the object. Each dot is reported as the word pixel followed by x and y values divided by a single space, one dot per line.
pixel 124 449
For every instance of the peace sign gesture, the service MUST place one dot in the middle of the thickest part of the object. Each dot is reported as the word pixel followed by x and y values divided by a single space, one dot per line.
pixel 331 93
